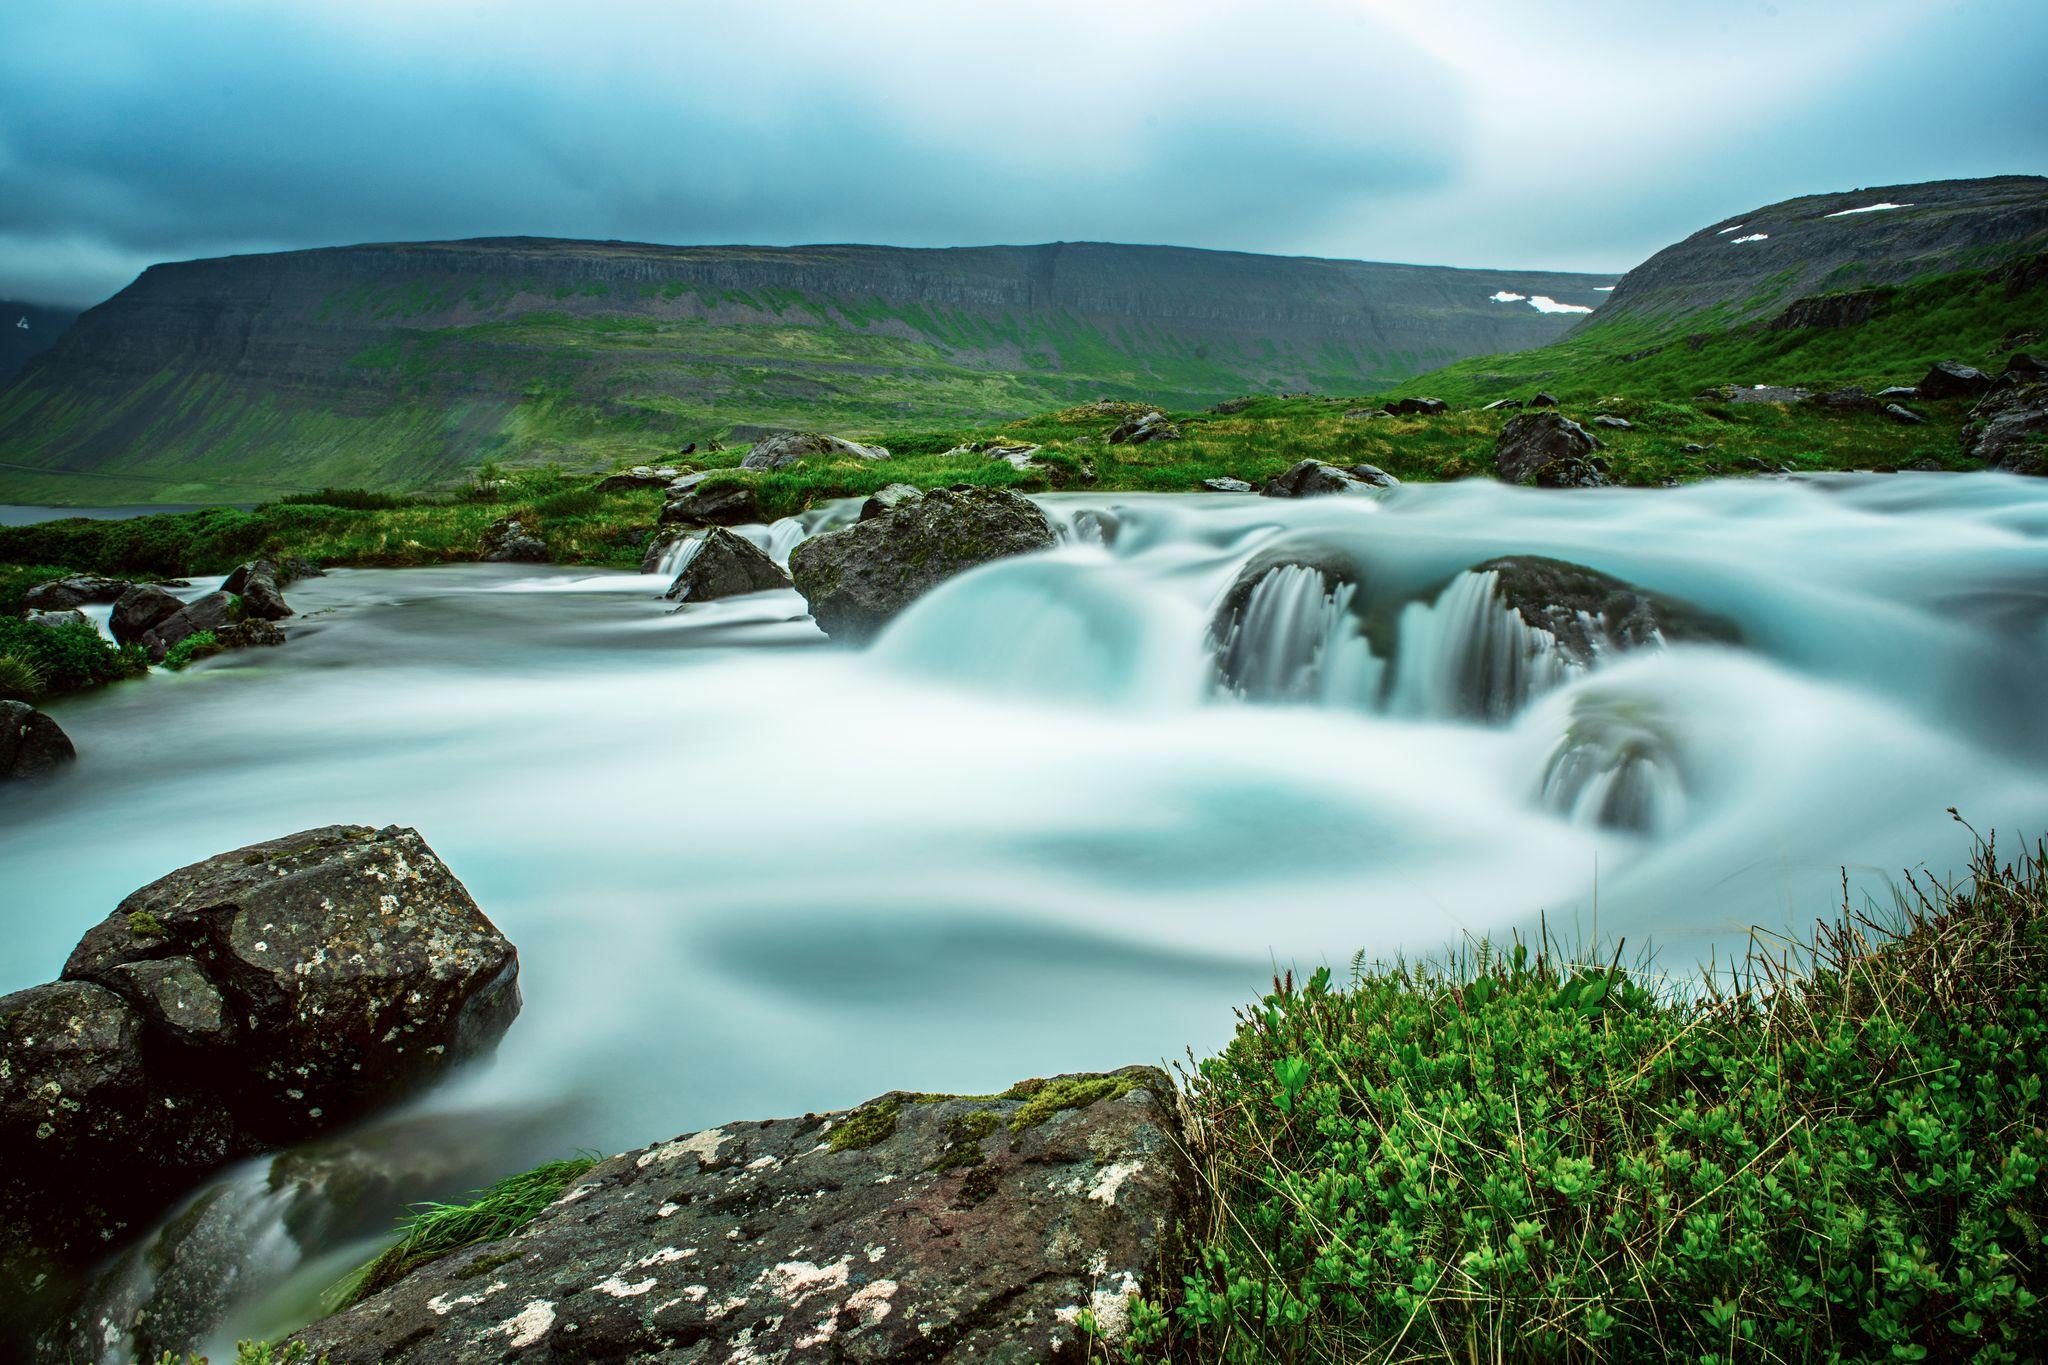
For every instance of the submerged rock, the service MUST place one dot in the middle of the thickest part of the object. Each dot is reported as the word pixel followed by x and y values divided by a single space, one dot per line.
pixel 784 448
pixel 1589 613
pixel 31 744
pixel 725 565
pixel 1547 449
pixel 512 540
pixel 911 1229
pixel 1616 767
pixel 139 610
pixel 1280 630
pixel 857 578
pixel 1953 379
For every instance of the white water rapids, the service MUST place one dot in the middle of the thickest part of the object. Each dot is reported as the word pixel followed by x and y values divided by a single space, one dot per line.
pixel 750 873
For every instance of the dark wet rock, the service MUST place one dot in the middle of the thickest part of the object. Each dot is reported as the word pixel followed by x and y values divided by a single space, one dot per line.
pixel 725 565
pixel 512 540
pixel 1613 423
pixel 1897 393
pixel 1232 405
pixel 31 744
pixel 76 591
pixel 2026 366
pixel 1616 767
pixel 2008 428
pixel 1504 405
pixel 1547 449
pixel 640 476
pixel 256 583
pixel 1418 407
pixel 1372 476
pixel 912 1229
pixel 1315 479
pixel 358 964
pixel 58 620
pixel 139 610
pixel 1953 379
pixel 857 578
pixel 1543 400
pixel 1256 636
pixel 292 568
pixel 176 996
pixel 659 544
pixel 888 498
pixel 1850 399
pixel 1589 613
pixel 210 613
pixel 722 504
pixel 1904 416
pixel 1831 311
pixel 248 635
pixel 1150 426
pixel 1226 485
pixel 785 448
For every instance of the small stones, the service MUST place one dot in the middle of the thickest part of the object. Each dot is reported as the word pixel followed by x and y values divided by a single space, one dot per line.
pixel 1903 415
pixel 1150 426
pixel 1613 423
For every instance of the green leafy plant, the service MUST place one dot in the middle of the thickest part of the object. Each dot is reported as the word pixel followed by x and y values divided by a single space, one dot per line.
pixel 200 644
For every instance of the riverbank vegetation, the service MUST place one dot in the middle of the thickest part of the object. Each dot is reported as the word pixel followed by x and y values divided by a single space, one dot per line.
pixel 1837 1154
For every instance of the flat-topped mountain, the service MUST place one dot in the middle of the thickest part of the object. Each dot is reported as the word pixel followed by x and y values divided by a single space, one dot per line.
pixel 1756 262
pixel 400 365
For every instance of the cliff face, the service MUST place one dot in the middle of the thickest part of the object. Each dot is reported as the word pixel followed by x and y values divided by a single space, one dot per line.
pixel 1757 262
pixel 401 364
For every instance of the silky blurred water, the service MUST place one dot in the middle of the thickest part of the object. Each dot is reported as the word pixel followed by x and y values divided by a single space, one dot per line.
pixel 752 873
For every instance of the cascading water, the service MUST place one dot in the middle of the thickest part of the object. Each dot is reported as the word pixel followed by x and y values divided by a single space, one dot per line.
pixel 1025 832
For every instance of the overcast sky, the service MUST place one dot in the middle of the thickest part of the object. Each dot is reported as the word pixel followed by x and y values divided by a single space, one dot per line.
pixel 1575 134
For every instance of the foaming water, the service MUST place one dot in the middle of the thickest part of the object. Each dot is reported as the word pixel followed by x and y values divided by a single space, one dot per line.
pixel 1029 830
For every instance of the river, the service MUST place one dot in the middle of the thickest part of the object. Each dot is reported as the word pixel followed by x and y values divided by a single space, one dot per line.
pixel 751 873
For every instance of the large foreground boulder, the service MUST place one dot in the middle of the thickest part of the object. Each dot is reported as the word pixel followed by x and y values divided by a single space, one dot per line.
pixel 31 744
pixel 212 612
pixel 725 565
pixel 1589 613
pixel 139 610
pixel 785 448
pixel 857 579
pixel 914 1228
pixel 246 1001
pixel 1548 449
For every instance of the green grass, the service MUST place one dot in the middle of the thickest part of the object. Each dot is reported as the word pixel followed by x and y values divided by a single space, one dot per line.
pixel 1521 1156
pixel 432 1231
pixel 37 662
pixel 200 644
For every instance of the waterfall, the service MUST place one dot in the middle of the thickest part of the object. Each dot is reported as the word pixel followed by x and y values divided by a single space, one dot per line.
pixel 1615 767
pixel 1468 654
pixel 1297 639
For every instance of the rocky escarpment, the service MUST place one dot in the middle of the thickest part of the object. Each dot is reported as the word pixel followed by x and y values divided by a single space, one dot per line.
pixel 255 998
pixel 402 364
pixel 1004 1228
pixel 1753 263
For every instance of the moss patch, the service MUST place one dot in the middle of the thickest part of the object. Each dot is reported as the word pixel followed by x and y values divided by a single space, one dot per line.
pixel 866 1126
pixel 142 924
pixel 1043 1099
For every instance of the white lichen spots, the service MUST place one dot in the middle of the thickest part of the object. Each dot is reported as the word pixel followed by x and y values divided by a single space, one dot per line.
pixel 617 1287
pixel 886 1179
pixel 764 1163
pixel 724 1307
pixel 871 1302
pixel 795 1281
pixel 668 1210
pixel 1098 1264
pixel 1111 1178
pixel 823 1331
pixel 261 946
pixel 387 903
pixel 665 1256
pixel 442 1305
pixel 704 1146
pixel 1112 1307
pixel 528 1325
pixel 875 1253
pixel 580 1192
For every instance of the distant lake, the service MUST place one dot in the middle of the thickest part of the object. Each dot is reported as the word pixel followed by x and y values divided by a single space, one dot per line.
pixel 13 514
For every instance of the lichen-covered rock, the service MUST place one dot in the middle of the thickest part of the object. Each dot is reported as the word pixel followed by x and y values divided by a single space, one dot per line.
pixel 1143 428
pixel 720 504
pixel 510 540
pixel 911 1229
pixel 139 610
pixel 31 744
pixel 887 498
pixel 2008 428
pixel 355 963
pixel 58 620
pixel 725 565
pixel 1953 379
pixel 856 579
pixel 76 591
pixel 256 583
pixel 785 448
pixel 1548 449
pixel 1226 485
pixel 248 635
pixel 1589 613
pixel 1315 479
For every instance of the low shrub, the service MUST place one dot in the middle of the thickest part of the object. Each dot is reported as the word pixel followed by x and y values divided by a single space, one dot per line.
pixel 1518 1157
pixel 64 658
pixel 200 644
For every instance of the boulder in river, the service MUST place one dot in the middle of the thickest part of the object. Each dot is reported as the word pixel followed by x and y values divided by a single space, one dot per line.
pixel 251 999
pixel 256 583
pixel 79 590
pixel 784 448
pixel 31 744
pixel 139 610
pixel 513 540
pixel 725 565
pixel 211 613
pixel 719 504
pixel 1273 630
pixel 1590 613
pixel 1547 449
pixel 914 1228
pixel 1953 379
pixel 857 578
